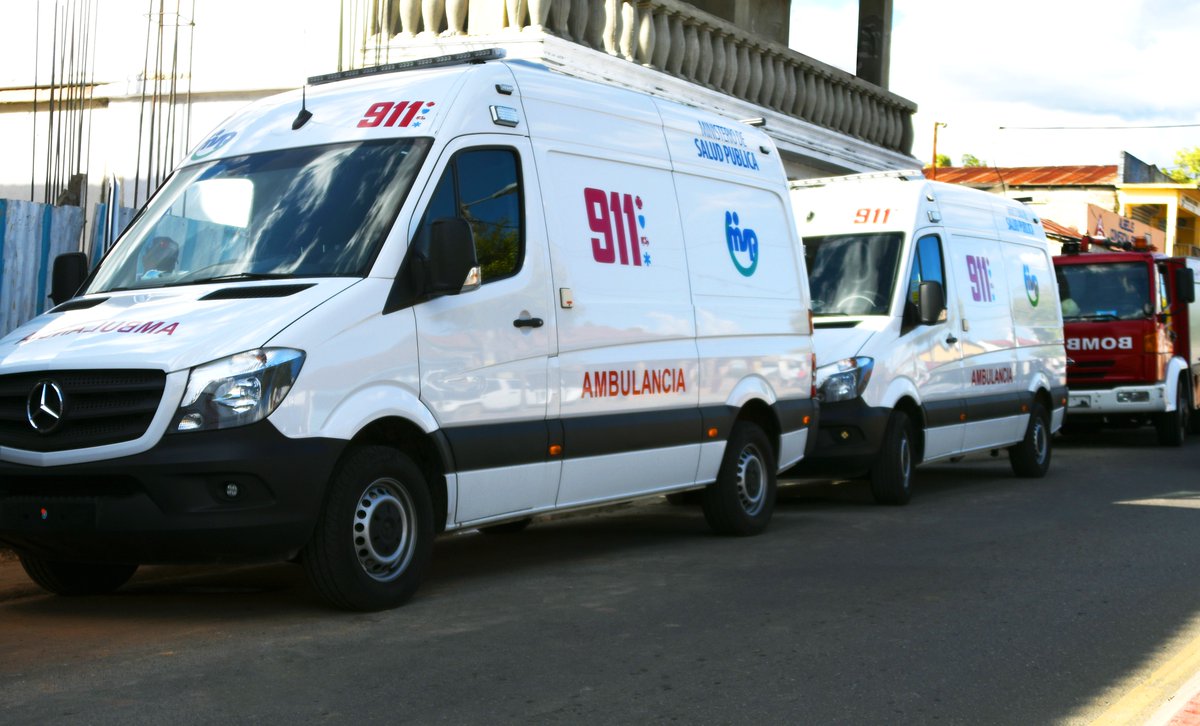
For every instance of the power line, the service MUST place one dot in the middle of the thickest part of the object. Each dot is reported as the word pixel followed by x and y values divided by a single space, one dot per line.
pixel 1096 128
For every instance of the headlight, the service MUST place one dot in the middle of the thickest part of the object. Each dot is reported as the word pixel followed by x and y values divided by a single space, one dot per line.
pixel 844 380
pixel 237 390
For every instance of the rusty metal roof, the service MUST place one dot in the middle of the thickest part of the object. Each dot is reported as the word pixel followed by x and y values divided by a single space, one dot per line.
pixel 1017 176
pixel 1056 230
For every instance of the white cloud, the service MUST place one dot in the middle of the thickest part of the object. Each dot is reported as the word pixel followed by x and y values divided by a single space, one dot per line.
pixel 1033 63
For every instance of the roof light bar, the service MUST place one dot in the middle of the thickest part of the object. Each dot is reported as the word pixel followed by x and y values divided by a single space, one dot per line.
pixel 903 174
pixel 474 56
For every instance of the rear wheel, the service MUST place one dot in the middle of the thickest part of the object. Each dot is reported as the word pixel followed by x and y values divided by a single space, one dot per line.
pixel 76 578
pixel 1193 419
pixel 740 502
pixel 1031 457
pixel 1172 426
pixel 891 476
pixel 374 539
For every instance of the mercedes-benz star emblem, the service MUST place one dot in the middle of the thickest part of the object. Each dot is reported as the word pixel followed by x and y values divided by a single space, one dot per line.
pixel 44 407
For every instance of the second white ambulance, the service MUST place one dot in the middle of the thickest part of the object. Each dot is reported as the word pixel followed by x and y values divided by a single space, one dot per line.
pixel 428 299
pixel 937 327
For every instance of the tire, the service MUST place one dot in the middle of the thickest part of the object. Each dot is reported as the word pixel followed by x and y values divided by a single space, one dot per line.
pixel 374 538
pixel 892 474
pixel 1172 426
pixel 740 502
pixel 1031 458
pixel 76 578
pixel 1193 419
pixel 513 527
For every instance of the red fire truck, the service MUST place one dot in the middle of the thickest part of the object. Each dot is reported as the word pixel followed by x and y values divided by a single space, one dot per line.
pixel 1132 327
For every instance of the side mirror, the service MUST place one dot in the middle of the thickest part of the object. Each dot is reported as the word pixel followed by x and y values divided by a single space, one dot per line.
pixel 1185 284
pixel 451 266
pixel 67 276
pixel 931 303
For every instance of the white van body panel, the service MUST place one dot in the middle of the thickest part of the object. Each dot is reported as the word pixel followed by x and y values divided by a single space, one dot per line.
pixel 969 378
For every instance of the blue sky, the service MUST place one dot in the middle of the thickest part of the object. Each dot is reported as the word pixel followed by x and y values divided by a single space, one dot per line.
pixel 990 69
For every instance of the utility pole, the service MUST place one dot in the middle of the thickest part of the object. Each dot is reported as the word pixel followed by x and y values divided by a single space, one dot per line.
pixel 936 124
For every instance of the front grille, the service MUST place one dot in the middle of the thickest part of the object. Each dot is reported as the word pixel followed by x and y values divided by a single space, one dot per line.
pixel 100 407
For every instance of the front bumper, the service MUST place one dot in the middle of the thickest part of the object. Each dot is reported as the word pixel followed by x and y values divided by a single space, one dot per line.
pixel 1120 400
pixel 174 502
pixel 848 438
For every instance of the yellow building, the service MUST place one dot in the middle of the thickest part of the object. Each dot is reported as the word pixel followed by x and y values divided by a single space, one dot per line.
pixel 1171 207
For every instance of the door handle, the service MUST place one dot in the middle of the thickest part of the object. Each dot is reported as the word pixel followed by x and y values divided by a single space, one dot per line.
pixel 951 340
pixel 528 323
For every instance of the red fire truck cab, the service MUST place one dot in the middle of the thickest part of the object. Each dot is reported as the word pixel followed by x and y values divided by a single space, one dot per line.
pixel 1132 328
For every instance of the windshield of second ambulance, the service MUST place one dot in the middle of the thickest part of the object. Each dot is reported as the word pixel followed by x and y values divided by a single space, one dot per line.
pixel 852 274
pixel 316 211
pixel 1097 291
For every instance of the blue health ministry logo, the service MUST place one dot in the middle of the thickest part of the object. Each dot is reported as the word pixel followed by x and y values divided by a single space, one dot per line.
pixel 214 144
pixel 743 245
pixel 1031 286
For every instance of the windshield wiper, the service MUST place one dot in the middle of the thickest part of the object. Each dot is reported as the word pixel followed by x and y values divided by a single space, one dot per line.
pixel 1096 316
pixel 234 277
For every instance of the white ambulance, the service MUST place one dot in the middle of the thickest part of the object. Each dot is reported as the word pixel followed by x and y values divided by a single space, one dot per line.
pixel 446 294
pixel 937 327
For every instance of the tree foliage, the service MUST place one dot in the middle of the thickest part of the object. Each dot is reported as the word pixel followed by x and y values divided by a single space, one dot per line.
pixel 1187 165
pixel 972 160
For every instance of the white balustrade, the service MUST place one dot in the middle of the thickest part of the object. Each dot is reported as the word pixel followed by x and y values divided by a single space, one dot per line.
pixel 673 37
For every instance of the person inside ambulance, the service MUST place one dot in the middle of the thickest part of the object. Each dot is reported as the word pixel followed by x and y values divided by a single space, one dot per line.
pixel 159 257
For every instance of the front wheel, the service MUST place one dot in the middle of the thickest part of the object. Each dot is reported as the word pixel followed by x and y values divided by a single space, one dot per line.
pixel 1031 457
pixel 891 476
pixel 76 578
pixel 374 539
pixel 1172 426
pixel 740 502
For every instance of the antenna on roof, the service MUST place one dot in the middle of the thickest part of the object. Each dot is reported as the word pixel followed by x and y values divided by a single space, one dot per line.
pixel 304 115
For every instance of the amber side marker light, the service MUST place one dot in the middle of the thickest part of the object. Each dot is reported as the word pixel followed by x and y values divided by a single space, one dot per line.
pixel 712 433
pixel 807 420
pixel 555 450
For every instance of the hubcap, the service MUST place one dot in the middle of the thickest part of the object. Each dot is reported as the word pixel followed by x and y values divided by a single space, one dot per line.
pixel 905 460
pixel 1040 441
pixel 751 481
pixel 384 530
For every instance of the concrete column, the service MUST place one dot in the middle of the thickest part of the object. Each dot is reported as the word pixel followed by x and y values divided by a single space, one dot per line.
pixel 874 41
pixel 1172 227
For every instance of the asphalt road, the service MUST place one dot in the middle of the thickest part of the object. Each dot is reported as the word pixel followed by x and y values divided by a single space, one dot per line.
pixel 988 600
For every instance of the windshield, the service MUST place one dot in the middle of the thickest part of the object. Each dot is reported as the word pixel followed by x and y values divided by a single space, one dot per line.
pixel 852 274
pixel 1105 291
pixel 309 212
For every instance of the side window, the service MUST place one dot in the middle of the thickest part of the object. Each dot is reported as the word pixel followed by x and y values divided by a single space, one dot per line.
pixel 927 267
pixel 483 186
pixel 1164 301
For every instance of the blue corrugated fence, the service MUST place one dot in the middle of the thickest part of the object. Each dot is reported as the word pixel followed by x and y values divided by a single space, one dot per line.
pixel 31 236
